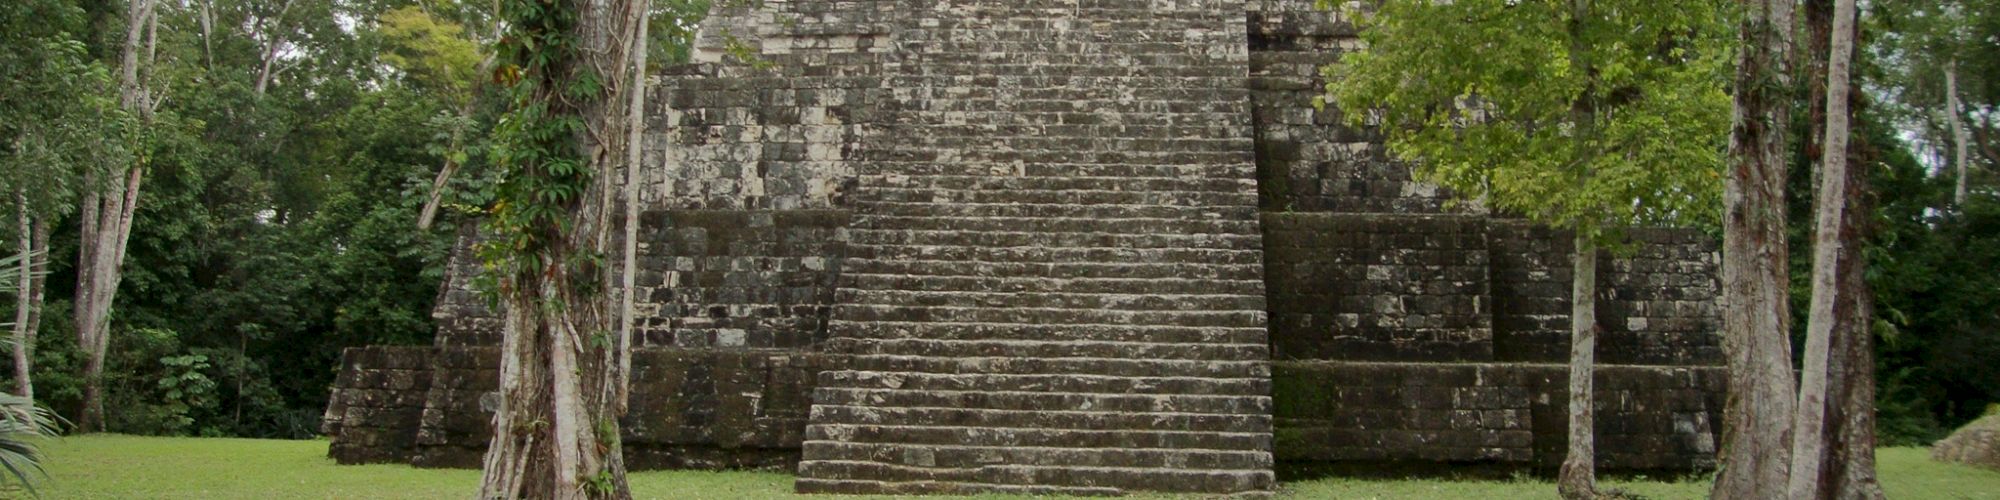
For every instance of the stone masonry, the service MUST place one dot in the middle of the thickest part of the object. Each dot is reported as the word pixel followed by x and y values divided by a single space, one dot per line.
pixel 1070 246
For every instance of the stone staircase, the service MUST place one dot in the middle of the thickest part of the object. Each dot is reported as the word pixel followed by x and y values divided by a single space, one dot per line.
pixel 1055 276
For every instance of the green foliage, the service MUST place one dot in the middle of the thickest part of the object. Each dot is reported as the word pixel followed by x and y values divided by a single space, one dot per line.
pixel 672 27
pixel 434 54
pixel 23 424
pixel 57 107
pixel 1609 118
pixel 274 230
pixel 22 421
pixel 544 174
pixel 184 388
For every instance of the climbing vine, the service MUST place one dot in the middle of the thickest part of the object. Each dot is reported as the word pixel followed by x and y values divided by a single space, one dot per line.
pixel 544 172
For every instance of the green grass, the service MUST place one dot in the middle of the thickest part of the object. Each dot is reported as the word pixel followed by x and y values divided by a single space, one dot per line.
pixel 1904 472
pixel 174 468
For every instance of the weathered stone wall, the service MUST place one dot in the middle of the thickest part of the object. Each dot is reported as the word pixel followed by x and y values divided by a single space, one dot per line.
pixel 1310 160
pixel 377 403
pixel 1659 302
pixel 464 316
pixel 1402 322
pixel 691 408
pixel 738 279
pixel 1649 418
pixel 1378 288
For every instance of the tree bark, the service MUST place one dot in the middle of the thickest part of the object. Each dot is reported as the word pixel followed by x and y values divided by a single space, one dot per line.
pixel 28 295
pixel 1578 477
pixel 1831 247
pixel 1757 422
pixel 556 432
pixel 108 210
pixel 436 200
pixel 271 46
pixel 207 18
pixel 1955 108
pixel 635 120
pixel 1844 467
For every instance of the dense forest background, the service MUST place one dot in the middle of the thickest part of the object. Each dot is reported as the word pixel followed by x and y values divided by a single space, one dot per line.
pixel 298 141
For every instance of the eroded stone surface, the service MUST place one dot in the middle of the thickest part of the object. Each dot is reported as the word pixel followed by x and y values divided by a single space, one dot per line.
pixel 1978 443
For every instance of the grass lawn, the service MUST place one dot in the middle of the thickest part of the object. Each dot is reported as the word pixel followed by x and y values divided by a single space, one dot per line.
pixel 141 467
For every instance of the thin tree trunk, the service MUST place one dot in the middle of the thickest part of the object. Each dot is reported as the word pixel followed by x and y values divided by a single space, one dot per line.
pixel 556 433
pixel 451 165
pixel 271 47
pixel 635 120
pixel 207 18
pixel 1846 469
pixel 38 295
pixel 107 225
pixel 1955 107
pixel 1578 478
pixel 1757 422
pixel 25 302
pixel 1830 248
pixel 431 206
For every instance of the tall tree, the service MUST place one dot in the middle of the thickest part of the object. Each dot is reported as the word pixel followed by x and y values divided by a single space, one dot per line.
pixel 1588 115
pixel 1942 73
pixel 1961 138
pixel 1757 423
pixel 1833 449
pixel 32 272
pixel 564 377
pixel 109 201
pixel 54 118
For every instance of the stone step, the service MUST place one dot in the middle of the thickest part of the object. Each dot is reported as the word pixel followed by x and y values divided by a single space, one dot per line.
pixel 1017 331
pixel 887 312
pixel 863 235
pixel 1074 270
pixel 1066 167
pixel 872 281
pixel 923 209
pixel 1059 182
pixel 815 486
pixel 1079 197
pixel 1063 383
pixel 1053 300
pixel 1056 254
pixel 921 157
pixel 956 456
pixel 1107 480
pixel 1040 418
pixel 1049 349
pixel 926 434
pixel 1060 225
pixel 1109 367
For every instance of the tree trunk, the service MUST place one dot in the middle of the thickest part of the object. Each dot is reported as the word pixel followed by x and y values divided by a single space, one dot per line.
pixel 271 46
pixel 207 18
pixel 1757 422
pixel 37 297
pixel 436 200
pixel 25 301
pixel 1844 466
pixel 1578 478
pixel 108 209
pixel 562 384
pixel 1955 108
pixel 635 120
pixel 1831 247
